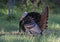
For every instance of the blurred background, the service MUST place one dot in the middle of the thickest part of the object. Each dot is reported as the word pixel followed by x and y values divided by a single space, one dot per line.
pixel 12 10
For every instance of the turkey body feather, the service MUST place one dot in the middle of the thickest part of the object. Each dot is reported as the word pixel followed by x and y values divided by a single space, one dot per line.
pixel 39 19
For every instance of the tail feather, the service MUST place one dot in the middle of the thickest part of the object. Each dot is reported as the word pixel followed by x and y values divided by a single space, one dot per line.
pixel 44 18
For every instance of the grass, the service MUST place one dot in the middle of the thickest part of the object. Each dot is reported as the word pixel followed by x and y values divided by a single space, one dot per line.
pixel 52 35
pixel 25 38
pixel 54 21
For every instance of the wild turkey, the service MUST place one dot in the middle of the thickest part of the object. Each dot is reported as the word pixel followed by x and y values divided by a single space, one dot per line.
pixel 40 19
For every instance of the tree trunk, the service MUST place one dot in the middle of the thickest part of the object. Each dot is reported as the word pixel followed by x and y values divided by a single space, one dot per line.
pixel 11 6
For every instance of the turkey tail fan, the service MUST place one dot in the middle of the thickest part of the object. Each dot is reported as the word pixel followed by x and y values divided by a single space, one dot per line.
pixel 44 18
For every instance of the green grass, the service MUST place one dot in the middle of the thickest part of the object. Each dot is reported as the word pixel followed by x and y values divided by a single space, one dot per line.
pixel 54 21
pixel 25 38
pixel 7 24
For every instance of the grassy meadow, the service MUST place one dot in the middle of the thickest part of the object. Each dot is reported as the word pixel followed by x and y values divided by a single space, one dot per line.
pixel 11 24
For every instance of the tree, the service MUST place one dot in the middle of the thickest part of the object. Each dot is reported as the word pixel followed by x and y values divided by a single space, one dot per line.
pixel 11 6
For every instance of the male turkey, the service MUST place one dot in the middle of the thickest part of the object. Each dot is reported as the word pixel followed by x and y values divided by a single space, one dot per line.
pixel 34 22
